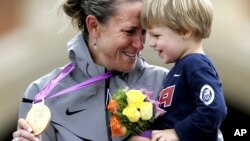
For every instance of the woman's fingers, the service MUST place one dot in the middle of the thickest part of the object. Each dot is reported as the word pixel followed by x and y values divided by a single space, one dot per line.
pixel 24 133
pixel 15 139
pixel 21 133
pixel 24 125
pixel 21 139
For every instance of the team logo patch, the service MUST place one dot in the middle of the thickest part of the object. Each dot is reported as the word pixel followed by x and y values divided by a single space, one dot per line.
pixel 207 94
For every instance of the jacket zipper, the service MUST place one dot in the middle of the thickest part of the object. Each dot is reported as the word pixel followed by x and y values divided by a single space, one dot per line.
pixel 106 100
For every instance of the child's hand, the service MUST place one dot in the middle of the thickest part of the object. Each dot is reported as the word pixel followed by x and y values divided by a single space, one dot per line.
pixel 139 138
pixel 165 135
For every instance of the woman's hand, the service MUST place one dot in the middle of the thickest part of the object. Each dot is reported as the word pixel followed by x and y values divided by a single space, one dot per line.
pixel 165 135
pixel 24 133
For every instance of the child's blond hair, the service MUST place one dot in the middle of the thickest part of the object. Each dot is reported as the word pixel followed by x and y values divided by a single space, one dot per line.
pixel 179 15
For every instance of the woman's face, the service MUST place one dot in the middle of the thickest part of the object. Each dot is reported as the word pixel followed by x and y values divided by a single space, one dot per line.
pixel 120 40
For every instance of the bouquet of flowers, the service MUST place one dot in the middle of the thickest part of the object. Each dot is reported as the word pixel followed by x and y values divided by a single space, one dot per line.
pixel 132 112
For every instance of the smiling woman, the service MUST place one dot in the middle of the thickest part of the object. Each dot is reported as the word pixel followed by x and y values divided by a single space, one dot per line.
pixel 106 55
pixel 125 31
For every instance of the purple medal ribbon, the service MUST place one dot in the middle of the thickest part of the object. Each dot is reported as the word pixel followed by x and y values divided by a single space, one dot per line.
pixel 43 94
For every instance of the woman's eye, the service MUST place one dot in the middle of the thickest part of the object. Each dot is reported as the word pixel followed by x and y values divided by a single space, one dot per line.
pixel 130 31
pixel 155 35
pixel 143 32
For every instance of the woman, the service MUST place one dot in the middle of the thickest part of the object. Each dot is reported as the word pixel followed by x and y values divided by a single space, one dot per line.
pixel 111 40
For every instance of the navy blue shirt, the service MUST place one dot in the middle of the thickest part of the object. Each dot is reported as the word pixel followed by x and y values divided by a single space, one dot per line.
pixel 193 99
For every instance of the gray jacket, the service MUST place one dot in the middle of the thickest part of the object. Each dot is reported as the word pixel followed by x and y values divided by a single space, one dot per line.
pixel 81 115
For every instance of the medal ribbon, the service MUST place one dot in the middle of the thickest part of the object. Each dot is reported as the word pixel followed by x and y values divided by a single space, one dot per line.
pixel 43 94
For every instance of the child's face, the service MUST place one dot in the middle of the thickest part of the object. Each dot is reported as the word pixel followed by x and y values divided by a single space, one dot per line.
pixel 169 44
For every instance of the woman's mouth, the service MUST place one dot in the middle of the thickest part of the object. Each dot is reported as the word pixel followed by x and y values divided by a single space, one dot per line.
pixel 132 55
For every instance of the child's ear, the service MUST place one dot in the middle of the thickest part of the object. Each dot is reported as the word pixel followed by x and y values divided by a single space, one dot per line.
pixel 92 25
pixel 187 34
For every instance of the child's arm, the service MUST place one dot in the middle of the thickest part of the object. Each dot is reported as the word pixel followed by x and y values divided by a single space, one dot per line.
pixel 165 135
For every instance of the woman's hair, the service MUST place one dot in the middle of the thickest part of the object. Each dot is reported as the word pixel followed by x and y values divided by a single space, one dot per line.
pixel 78 10
pixel 179 15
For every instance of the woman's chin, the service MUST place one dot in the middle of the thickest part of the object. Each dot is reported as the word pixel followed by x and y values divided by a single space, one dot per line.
pixel 127 68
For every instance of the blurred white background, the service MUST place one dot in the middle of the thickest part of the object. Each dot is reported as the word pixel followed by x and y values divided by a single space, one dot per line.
pixel 33 39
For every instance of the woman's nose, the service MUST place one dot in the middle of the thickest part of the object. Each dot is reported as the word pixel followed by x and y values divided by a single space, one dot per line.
pixel 138 41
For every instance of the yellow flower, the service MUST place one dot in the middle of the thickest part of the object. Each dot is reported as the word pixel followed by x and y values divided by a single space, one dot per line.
pixel 146 110
pixel 135 97
pixel 132 113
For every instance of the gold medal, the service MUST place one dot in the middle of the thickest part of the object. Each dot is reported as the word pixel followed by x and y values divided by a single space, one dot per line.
pixel 38 117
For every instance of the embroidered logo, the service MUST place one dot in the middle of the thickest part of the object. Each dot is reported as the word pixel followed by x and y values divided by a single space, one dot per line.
pixel 73 112
pixel 177 75
pixel 166 96
pixel 207 94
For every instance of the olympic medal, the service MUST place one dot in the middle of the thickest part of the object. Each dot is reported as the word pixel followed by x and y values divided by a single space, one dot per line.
pixel 38 117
